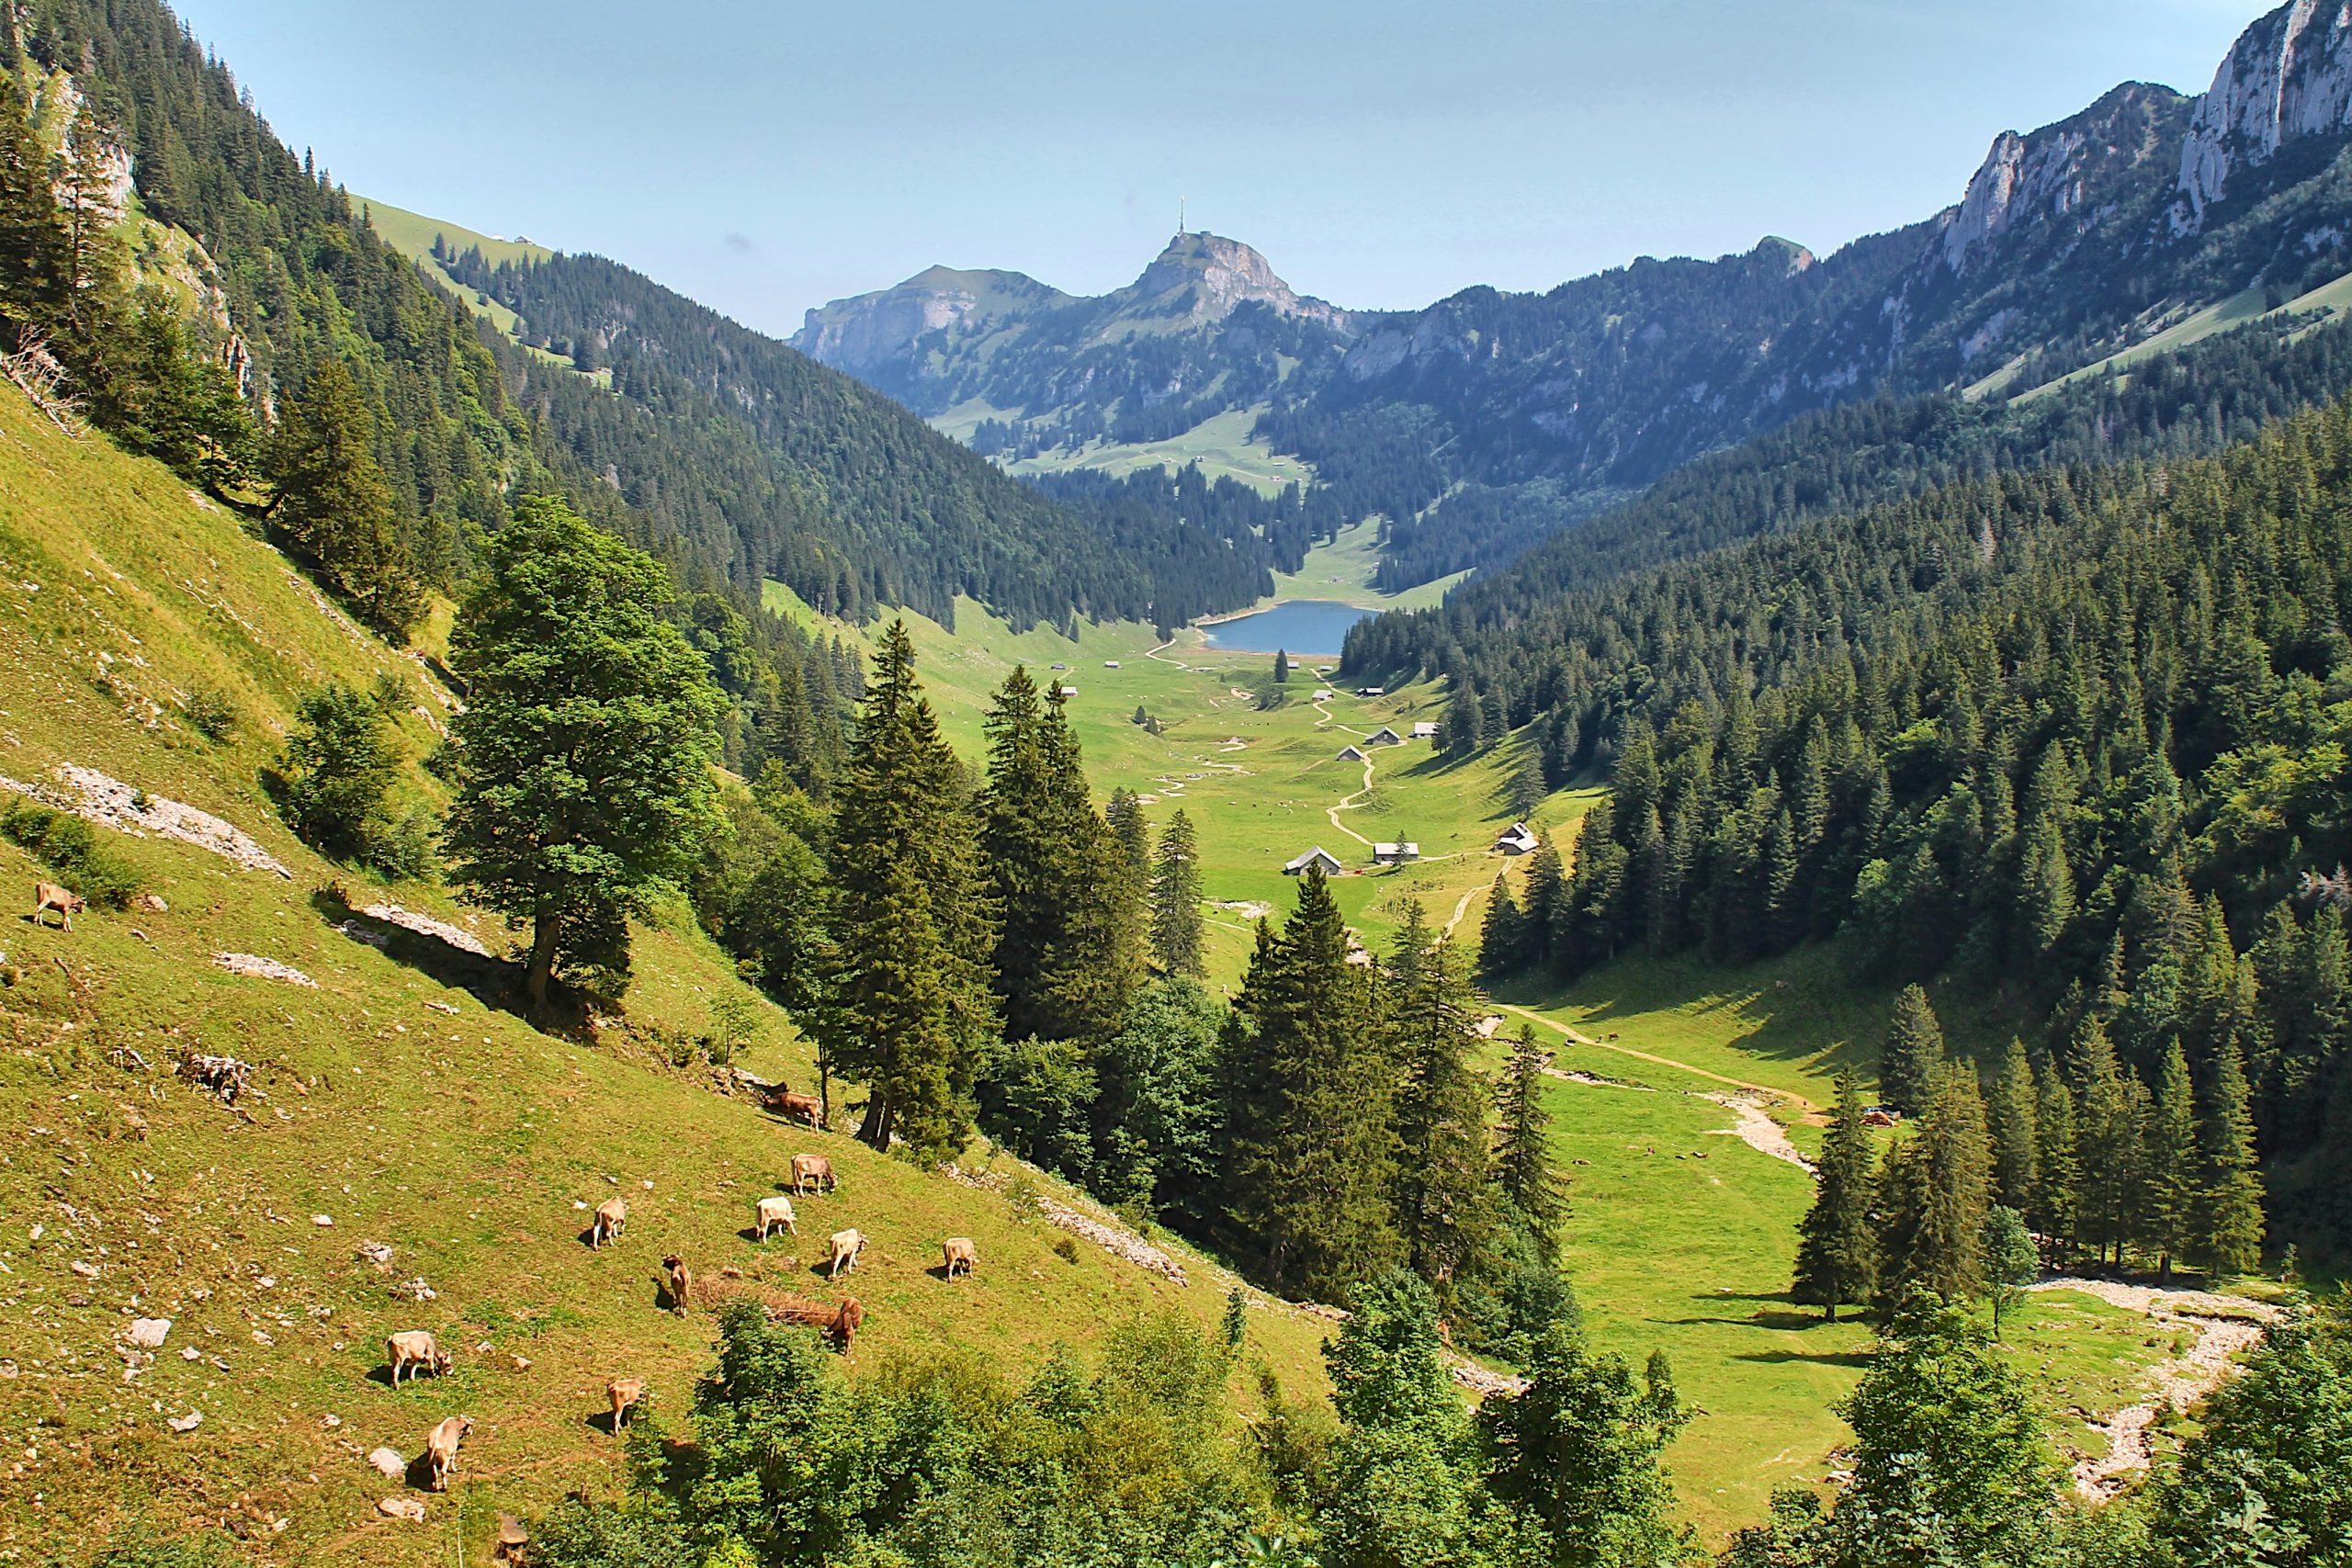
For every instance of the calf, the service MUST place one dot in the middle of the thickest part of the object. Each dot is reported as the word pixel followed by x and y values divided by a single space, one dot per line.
pixel 626 1393
pixel 48 895
pixel 409 1351
pixel 611 1215
pixel 806 1107
pixel 682 1283
pixel 812 1170
pixel 771 1212
pixel 441 1449
pixel 846 1246
pixel 962 1256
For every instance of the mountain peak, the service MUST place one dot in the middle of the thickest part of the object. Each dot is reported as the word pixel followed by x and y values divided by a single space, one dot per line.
pixel 1207 277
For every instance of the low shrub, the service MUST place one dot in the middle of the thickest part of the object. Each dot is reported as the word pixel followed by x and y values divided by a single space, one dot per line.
pixel 69 846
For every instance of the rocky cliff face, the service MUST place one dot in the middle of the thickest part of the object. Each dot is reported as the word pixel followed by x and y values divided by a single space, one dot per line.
pixel 1207 277
pixel 868 331
pixel 2289 76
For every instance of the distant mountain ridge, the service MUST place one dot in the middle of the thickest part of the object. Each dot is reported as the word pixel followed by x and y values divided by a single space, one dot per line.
pixel 1520 413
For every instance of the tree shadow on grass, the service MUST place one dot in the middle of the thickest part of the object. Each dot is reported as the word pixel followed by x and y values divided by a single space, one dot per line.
pixel 1858 1360
pixel 495 983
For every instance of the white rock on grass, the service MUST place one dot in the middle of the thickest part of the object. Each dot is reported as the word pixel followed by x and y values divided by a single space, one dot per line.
pixel 409 1508
pixel 187 1423
pixel 261 968
pixel 388 1462
pixel 149 1333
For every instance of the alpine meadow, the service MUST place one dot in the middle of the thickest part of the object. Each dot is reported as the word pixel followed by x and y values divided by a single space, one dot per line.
pixel 657 945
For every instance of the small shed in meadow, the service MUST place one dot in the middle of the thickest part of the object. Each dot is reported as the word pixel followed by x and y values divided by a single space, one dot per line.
pixel 1317 858
pixel 1395 854
pixel 1384 737
pixel 1350 754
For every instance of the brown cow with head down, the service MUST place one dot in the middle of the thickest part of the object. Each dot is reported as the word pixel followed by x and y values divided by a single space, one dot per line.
pixel 414 1350
pixel 804 1107
pixel 812 1171
pixel 770 1212
pixel 441 1449
pixel 962 1256
pixel 846 1246
pixel 840 1324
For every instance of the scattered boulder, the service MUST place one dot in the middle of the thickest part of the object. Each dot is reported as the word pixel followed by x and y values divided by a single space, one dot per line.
pixel 457 937
pixel 93 796
pixel 409 1508
pixel 322 1221
pixel 149 1333
pixel 377 1253
pixel 152 903
pixel 388 1462
pixel 260 968
pixel 187 1423
pixel 415 1289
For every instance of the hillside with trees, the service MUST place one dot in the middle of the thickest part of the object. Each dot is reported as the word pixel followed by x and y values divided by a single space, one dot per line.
pixel 2070 736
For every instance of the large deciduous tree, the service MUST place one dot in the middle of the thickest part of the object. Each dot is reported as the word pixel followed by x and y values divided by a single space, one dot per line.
pixel 586 745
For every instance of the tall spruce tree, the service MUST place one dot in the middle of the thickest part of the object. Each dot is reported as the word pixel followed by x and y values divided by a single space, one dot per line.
pixel 2016 1143
pixel 585 748
pixel 1837 1245
pixel 1522 1154
pixel 2168 1161
pixel 2107 1136
pixel 1913 1053
pixel 1176 900
pixel 1024 863
pixel 909 1007
pixel 1444 1204
pixel 1282 666
pixel 2229 1221
pixel 2058 1187
pixel 335 504
pixel 1937 1188
pixel 1309 1094
pixel 1095 954
pixel 1502 936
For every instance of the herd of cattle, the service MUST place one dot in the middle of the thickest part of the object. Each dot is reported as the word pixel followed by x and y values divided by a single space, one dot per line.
pixel 416 1351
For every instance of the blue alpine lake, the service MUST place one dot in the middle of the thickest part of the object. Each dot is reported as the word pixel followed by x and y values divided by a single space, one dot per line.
pixel 1306 628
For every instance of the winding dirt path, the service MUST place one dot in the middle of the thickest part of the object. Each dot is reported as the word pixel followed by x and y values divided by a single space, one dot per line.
pixel 1349 803
pixel 1800 1102
pixel 2226 1326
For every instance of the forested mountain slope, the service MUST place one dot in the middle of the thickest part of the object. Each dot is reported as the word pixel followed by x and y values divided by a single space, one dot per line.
pixel 789 471
pixel 2076 735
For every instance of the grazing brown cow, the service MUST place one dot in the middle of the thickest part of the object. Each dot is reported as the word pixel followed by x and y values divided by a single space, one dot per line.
pixel 807 1107
pixel 771 1212
pixel 441 1449
pixel 414 1350
pixel 846 1246
pixel 812 1170
pixel 611 1215
pixel 48 895
pixel 626 1393
pixel 962 1256
pixel 840 1323
pixel 682 1283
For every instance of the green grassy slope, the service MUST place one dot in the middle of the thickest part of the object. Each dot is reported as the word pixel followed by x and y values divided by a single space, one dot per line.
pixel 393 1101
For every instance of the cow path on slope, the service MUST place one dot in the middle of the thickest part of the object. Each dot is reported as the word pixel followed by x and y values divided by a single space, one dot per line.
pixel 2226 1326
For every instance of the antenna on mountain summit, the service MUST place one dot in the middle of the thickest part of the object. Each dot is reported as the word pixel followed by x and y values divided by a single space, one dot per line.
pixel 1180 216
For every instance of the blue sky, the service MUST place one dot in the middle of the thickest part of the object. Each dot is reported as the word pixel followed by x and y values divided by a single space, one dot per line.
pixel 767 155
